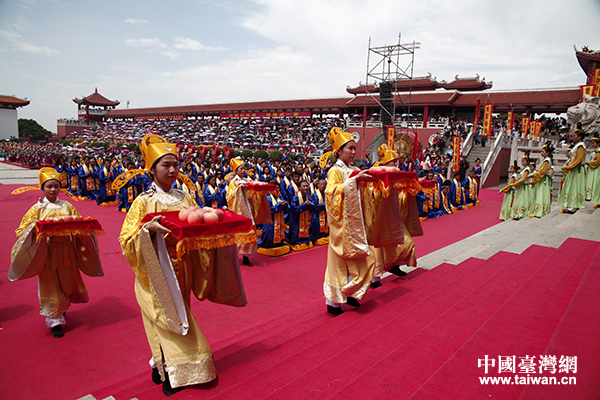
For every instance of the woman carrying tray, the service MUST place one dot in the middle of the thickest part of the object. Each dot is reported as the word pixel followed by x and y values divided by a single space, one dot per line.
pixel 55 257
pixel 181 356
pixel 349 271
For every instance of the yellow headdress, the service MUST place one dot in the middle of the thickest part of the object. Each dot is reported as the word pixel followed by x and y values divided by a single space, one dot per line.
pixel 526 156
pixel 337 137
pixel 596 137
pixel 154 147
pixel 386 154
pixel 235 163
pixel 548 147
pixel 45 174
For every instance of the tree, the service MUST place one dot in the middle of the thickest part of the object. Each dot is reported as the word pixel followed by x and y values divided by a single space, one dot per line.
pixel 247 153
pixel 30 128
pixel 260 154
pixel 275 155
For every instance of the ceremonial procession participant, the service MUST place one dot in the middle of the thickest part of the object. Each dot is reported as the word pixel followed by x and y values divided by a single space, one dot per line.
pixel 478 171
pixel 300 218
pixel 73 171
pixel 572 194
pixel 285 183
pixel 349 271
pixel 255 208
pixel 506 210
pixel 181 356
pixel 199 194
pixel 56 259
pixel 294 186
pixel 541 184
pixel 522 199
pixel 271 241
pixel 106 194
pixel 211 193
pixel 389 258
pixel 457 195
pixel 319 229
pixel 128 193
pixel 592 186
pixel 471 188
pixel 445 199
pixel 88 189
pixel 61 167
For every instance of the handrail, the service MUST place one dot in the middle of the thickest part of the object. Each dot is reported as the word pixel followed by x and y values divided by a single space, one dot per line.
pixel 468 144
pixel 490 160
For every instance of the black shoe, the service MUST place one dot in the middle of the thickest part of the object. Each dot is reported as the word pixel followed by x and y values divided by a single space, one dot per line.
pixel 156 376
pixel 335 310
pixel 246 261
pixel 351 301
pixel 168 390
pixel 397 271
pixel 57 331
pixel 376 284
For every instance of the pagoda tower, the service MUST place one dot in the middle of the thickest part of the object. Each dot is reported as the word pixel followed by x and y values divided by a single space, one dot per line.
pixel 91 111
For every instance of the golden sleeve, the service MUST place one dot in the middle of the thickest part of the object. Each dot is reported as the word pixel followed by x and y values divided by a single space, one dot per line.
pixel 506 188
pixel 522 180
pixel 334 194
pixel 577 160
pixel 130 239
pixel 537 176
pixel 231 195
pixel 29 217
pixel 73 211
pixel 595 161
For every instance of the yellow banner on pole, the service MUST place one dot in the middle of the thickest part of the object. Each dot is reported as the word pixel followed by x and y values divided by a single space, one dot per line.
pixel 487 120
pixel 456 153
pixel 391 137
pixel 524 127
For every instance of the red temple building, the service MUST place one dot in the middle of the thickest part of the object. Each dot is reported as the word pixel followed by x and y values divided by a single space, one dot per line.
pixel 91 110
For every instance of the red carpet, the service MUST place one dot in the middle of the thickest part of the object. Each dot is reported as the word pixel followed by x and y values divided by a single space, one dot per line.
pixel 284 344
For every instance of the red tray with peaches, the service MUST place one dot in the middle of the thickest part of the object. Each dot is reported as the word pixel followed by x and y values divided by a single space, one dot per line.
pixel 68 225
pixel 204 224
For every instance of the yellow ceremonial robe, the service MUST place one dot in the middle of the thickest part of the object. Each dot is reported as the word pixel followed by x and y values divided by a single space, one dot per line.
pixel 56 260
pixel 187 355
pixel 349 270
pixel 256 208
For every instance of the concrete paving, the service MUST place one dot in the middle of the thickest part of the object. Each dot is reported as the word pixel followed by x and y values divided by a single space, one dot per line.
pixel 13 175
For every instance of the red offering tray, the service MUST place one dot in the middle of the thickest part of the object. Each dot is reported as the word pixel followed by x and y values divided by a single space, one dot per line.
pixel 260 188
pixel 388 178
pixel 233 229
pixel 82 226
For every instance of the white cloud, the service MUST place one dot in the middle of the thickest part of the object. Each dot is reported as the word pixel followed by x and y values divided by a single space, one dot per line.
pixel 135 21
pixel 187 44
pixel 17 43
pixel 146 42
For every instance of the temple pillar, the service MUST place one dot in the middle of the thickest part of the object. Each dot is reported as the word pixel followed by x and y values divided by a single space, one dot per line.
pixel 425 116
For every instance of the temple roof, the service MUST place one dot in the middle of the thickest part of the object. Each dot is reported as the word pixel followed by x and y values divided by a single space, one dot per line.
pixel 467 84
pixel 423 83
pixel 12 102
pixel 96 99
pixel 587 56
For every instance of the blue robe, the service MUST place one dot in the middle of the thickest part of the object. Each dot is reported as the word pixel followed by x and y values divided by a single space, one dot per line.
pixel 87 182
pixel 268 230
pixel 105 192
pixel 211 196
pixel 318 207
pixel 297 212
pixel 456 194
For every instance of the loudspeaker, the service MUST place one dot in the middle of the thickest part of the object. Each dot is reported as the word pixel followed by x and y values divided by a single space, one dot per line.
pixel 385 98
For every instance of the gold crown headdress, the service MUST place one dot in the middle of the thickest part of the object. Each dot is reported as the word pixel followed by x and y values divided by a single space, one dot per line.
pixel 235 163
pixel 386 154
pixel 337 137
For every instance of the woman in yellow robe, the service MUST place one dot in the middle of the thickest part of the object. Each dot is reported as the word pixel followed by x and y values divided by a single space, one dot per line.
pixel 390 258
pixel 256 208
pixel 349 271
pixel 56 260
pixel 163 294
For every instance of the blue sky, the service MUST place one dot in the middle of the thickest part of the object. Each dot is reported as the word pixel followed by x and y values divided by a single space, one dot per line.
pixel 158 53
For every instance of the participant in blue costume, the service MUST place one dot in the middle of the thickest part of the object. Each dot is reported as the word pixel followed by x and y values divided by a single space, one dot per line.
pixel 199 190
pixel 478 170
pixel 128 192
pixel 73 172
pixel 319 230
pixel 294 186
pixel 61 167
pixel 286 181
pixel 300 216
pixel 457 196
pixel 271 241
pixel 106 194
pixel 471 189
pixel 211 193
pixel 88 190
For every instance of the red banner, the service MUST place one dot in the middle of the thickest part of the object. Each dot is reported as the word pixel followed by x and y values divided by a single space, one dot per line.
pixel 266 114
pixel 524 127
pixel 538 129
pixel 456 154
pixel 590 90
pixel 595 77
pixel 173 116
pixel 391 137
pixel 476 122
pixel 532 129
pixel 487 120
pixel 510 122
